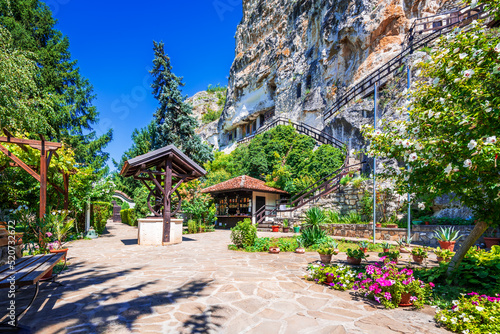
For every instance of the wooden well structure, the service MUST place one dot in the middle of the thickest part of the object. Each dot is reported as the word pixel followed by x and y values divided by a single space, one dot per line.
pixel 162 172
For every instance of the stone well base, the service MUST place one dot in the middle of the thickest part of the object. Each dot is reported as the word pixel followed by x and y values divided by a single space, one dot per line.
pixel 150 232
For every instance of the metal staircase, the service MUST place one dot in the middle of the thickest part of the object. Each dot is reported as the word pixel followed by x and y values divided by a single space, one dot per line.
pixel 319 136
pixel 422 32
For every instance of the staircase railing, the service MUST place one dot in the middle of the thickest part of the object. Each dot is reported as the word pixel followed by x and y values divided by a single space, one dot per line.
pixel 302 128
pixel 263 212
pixel 434 29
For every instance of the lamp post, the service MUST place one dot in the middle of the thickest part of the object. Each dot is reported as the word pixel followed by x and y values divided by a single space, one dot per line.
pixel 375 164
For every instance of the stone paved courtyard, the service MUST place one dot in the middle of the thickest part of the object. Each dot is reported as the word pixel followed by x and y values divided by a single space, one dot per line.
pixel 116 286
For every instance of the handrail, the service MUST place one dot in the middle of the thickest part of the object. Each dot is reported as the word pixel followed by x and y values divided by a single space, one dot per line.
pixel 394 63
pixel 262 213
pixel 302 128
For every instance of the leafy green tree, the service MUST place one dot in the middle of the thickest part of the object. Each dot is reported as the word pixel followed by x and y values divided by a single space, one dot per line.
pixel 24 107
pixel 175 124
pixel 71 115
pixel 450 139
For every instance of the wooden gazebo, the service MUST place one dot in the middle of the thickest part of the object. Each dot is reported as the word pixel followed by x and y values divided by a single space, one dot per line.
pixel 165 170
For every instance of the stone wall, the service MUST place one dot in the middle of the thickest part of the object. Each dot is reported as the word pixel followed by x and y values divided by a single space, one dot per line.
pixel 421 234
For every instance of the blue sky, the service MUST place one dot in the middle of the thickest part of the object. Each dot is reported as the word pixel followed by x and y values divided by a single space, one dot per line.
pixel 112 41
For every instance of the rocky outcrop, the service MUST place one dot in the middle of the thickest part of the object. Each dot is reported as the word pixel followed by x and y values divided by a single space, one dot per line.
pixel 294 58
pixel 204 102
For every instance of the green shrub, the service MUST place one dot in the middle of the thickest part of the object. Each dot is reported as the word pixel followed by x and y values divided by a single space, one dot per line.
pixel 287 244
pixel 216 88
pixel 129 217
pixel 345 180
pixel 314 217
pixel 260 245
pixel 125 206
pixel 211 115
pixel 244 234
pixel 101 212
pixel 312 235
pixel 332 217
pixel 192 226
pixel 352 218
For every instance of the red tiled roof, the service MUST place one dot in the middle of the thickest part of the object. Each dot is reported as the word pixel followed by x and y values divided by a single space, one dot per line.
pixel 244 182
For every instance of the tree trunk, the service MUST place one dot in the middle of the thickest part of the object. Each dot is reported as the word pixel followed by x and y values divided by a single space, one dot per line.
pixel 468 243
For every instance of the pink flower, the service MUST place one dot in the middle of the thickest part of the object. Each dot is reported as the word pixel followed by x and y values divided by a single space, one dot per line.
pixel 431 284
pixel 413 298
pixel 388 296
pixel 48 234
pixel 377 299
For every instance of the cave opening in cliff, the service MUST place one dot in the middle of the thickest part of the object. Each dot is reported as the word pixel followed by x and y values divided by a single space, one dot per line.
pixel 299 90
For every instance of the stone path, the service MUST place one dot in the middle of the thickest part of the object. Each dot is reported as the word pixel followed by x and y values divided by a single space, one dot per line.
pixel 115 286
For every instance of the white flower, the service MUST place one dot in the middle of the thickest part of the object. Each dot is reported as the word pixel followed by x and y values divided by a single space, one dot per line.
pixel 416 130
pixel 462 55
pixel 488 110
pixel 377 133
pixel 497 48
pixel 419 146
pixel 448 168
pixel 453 320
pixel 398 142
pixel 472 144
pixel 370 155
pixel 479 309
pixel 456 80
pixel 435 81
pixel 421 206
pixel 456 50
pixel 468 73
pixel 491 140
pixel 412 157
pixel 442 100
pixel 431 113
pixel 467 163
pixel 406 144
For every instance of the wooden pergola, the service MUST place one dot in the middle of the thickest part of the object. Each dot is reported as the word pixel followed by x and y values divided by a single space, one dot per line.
pixel 166 169
pixel 47 150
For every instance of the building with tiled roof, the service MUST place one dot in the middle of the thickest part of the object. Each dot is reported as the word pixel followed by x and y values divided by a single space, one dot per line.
pixel 243 197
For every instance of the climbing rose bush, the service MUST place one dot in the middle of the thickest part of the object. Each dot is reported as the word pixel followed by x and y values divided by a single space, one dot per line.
pixel 450 142
pixel 472 313
pixel 385 284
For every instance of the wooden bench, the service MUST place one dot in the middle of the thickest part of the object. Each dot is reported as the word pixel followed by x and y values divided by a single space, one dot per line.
pixel 26 271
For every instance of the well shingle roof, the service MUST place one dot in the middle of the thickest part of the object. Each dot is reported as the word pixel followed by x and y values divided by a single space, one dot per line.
pixel 243 182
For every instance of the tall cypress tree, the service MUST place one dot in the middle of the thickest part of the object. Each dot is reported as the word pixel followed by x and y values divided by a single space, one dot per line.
pixel 175 124
pixel 32 27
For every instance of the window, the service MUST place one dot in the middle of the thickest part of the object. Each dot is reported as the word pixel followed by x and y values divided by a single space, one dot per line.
pixel 299 90
pixel 308 82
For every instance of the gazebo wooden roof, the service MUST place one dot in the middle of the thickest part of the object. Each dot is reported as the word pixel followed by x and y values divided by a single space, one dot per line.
pixel 181 164
pixel 162 167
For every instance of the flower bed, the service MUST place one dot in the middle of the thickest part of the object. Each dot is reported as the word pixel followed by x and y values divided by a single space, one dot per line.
pixel 338 277
pixel 472 313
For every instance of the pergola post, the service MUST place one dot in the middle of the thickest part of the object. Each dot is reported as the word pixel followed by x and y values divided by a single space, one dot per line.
pixel 166 200
pixel 66 191
pixel 43 179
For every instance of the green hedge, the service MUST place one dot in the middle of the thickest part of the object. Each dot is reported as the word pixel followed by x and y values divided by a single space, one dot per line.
pixel 129 217
pixel 101 212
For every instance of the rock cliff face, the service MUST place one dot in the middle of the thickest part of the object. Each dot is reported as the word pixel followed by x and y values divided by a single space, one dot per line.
pixel 294 57
pixel 204 102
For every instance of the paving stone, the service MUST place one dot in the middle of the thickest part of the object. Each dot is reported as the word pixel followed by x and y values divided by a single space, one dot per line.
pixel 112 287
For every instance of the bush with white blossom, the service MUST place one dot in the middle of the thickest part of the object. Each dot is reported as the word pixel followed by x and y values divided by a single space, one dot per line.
pixel 473 314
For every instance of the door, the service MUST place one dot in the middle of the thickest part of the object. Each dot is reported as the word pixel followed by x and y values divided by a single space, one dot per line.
pixel 259 203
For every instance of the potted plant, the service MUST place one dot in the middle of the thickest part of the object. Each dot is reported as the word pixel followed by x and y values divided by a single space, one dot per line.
pixel 404 245
pixel 443 255
pixel 300 246
pixel 296 228
pixel 335 245
pixel 60 227
pixel 419 254
pixel 389 256
pixel 447 236
pixel 275 228
pixel 325 253
pixel 286 229
pixel 363 245
pixel 274 248
pixel 492 238
pixel 386 247
pixel 355 256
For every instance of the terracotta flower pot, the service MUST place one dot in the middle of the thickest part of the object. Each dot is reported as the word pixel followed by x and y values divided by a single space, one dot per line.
pixel 353 260
pixel 325 258
pixel 405 299
pixel 386 250
pixel 491 242
pixel 274 250
pixel 300 250
pixel 286 229
pixel 58 251
pixel 363 249
pixel 426 223
pixel 275 228
pixel 450 245
pixel 392 225
pixel 440 259
pixel 329 279
pixel 418 259
pixel 378 225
